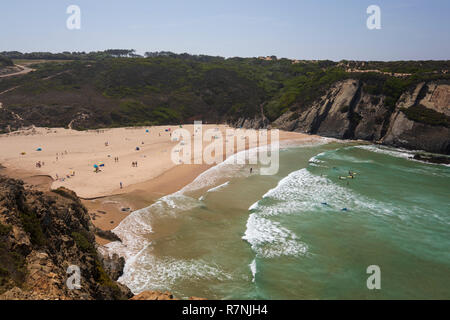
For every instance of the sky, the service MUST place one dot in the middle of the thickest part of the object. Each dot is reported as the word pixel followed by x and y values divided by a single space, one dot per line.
pixel 301 29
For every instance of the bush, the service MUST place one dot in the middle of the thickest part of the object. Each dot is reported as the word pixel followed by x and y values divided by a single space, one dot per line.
pixel 83 243
pixel 344 109
pixel 425 115
pixel 32 226
pixel 4 230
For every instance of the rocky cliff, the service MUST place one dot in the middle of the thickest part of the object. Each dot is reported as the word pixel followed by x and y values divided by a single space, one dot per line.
pixel 41 236
pixel 420 119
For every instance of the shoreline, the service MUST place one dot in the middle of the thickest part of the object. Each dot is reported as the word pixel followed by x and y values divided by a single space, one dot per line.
pixel 109 206
pixel 144 194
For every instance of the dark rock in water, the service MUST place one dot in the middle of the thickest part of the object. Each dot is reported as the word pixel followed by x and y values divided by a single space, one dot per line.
pixel 106 234
pixel 432 158
pixel 42 234
pixel 113 265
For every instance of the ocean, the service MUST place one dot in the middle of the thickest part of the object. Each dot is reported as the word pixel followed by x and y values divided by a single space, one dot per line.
pixel 308 232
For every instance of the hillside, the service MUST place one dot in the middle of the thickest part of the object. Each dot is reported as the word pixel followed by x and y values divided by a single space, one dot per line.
pixel 349 99
pixel 5 62
pixel 41 235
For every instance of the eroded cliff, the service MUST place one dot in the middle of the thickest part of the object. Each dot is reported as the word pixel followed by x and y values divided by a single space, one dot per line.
pixel 420 119
pixel 41 236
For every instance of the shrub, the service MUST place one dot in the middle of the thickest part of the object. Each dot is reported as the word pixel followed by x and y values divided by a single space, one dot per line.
pixel 83 243
pixel 425 115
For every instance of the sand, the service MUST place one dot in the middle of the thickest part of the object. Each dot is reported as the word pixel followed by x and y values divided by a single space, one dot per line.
pixel 70 156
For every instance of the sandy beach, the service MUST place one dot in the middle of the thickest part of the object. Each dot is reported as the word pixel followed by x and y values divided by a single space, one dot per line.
pixel 58 157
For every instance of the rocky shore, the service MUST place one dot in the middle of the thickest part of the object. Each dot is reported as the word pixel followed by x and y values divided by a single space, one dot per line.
pixel 42 234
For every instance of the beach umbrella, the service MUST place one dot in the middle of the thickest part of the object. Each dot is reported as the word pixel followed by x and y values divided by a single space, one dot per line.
pixel 146 131
pixel 101 164
pixel 39 149
pixel 95 166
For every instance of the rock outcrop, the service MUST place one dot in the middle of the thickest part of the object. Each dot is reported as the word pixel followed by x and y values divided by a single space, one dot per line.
pixel 408 133
pixel 348 111
pixel 41 236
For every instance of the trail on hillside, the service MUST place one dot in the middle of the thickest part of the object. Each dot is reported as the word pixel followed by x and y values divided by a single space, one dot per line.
pixel 24 70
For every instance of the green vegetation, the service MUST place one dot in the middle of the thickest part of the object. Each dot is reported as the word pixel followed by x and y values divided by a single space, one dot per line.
pixel 70 55
pixel 12 263
pixel 32 226
pixel 83 243
pixel 407 67
pixel 118 88
pixel 344 109
pixel 425 115
pixel 4 230
pixel 5 62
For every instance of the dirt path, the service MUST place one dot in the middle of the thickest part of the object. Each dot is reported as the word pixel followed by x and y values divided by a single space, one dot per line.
pixel 24 70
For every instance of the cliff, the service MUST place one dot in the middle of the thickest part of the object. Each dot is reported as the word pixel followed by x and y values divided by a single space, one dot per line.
pixel 41 236
pixel 420 119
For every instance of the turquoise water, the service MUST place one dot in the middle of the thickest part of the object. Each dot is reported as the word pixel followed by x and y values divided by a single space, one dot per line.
pixel 232 235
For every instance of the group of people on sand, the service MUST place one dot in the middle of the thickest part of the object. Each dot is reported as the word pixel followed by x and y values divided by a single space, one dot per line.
pixel 116 159
pixel 67 176
pixel 134 164
pixel 62 154
pixel 40 164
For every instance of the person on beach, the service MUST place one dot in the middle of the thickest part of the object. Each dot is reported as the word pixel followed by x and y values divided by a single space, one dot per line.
pixel 251 170
pixel 121 185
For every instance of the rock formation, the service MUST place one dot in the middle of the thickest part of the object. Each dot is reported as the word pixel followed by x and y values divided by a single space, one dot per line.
pixel 347 111
pixel 41 236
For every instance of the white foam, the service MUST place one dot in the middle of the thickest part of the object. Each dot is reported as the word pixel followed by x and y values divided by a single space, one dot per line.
pixel 269 239
pixel 144 271
pixel 296 193
pixel 147 272
pixel 301 191
pixel 394 152
pixel 253 269
pixel 219 187
pixel 134 228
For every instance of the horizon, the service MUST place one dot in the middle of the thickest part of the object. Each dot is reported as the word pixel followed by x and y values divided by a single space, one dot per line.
pixel 142 55
pixel 410 30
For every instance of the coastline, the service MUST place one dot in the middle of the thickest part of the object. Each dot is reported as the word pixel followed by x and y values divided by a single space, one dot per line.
pixel 109 206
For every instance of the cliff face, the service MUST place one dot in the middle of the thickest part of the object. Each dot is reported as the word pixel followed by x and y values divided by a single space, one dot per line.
pixel 41 235
pixel 404 131
pixel 348 111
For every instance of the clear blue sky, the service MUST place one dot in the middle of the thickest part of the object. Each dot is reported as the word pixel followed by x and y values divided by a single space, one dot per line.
pixel 302 29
